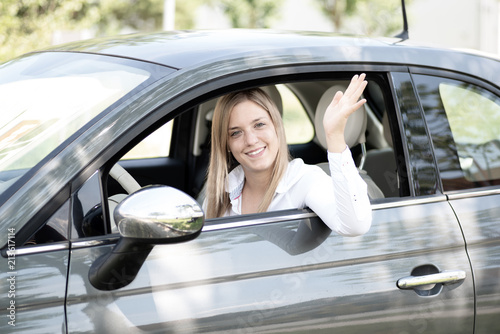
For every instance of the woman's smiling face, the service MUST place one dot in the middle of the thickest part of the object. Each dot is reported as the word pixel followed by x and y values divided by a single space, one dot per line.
pixel 252 138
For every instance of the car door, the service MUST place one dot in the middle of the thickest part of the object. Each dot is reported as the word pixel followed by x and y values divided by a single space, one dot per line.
pixel 282 273
pixel 34 279
pixel 285 271
pixel 463 116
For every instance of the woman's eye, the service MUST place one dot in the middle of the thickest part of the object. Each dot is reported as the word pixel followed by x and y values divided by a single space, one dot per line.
pixel 235 133
pixel 259 125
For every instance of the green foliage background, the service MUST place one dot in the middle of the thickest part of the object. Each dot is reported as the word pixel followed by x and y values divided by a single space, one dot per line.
pixel 27 25
pixel 374 17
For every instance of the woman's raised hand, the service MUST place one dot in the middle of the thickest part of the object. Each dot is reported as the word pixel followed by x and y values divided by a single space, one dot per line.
pixel 341 107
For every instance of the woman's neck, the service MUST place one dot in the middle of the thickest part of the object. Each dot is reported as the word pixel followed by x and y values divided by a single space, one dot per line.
pixel 258 181
pixel 256 185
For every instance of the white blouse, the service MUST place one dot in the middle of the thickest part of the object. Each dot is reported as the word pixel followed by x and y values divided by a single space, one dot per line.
pixel 341 200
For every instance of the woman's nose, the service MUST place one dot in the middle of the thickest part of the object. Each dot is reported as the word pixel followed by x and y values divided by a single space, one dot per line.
pixel 250 138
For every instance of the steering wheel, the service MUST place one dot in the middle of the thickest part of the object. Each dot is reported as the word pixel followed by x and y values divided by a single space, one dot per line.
pixel 124 179
pixel 128 183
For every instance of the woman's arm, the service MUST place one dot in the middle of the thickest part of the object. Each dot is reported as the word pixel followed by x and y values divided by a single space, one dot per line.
pixel 344 206
pixel 340 200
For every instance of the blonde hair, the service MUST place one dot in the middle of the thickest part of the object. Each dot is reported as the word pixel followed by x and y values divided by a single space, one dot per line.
pixel 222 161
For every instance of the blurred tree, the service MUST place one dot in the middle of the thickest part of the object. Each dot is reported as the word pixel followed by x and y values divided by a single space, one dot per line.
pixel 133 15
pixel 250 13
pixel 372 17
pixel 142 15
pixel 27 25
pixel 337 10
pixel 184 13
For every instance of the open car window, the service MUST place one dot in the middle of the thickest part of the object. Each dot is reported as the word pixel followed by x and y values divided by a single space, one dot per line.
pixel 185 166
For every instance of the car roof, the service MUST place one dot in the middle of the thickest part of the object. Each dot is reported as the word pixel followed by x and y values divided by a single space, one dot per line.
pixel 187 49
pixel 181 49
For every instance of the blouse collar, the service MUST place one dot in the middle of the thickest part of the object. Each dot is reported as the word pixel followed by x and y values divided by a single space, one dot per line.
pixel 236 179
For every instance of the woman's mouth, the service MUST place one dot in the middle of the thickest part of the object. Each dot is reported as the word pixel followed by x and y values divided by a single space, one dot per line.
pixel 256 152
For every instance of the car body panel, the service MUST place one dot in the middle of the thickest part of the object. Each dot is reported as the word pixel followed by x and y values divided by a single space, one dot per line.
pixel 267 277
pixel 38 292
pixel 479 218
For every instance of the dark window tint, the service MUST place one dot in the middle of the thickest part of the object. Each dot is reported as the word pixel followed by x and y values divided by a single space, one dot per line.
pixel 87 213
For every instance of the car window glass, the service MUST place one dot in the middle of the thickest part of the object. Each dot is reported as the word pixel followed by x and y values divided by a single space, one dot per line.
pixel 55 229
pixel 87 213
pixel 474 117
pixel 298 126
pixel 155 145
pixel 45 105
pixel 464 121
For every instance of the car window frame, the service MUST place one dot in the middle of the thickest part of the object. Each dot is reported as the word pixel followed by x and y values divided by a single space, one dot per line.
pixel 416 143
pixel 176 105
pixel 261 78
pixel 242 220
pixel 469 79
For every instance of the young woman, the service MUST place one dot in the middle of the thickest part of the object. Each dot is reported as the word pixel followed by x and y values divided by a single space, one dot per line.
pixel 250 170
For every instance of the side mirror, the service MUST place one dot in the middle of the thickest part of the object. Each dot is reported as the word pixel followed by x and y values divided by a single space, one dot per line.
pixel 152 215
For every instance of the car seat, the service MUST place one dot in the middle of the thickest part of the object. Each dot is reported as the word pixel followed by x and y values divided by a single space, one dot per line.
pixel 354 134
pixel 381 164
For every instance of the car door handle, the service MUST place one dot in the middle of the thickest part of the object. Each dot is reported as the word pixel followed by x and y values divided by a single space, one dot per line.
pixel 444 277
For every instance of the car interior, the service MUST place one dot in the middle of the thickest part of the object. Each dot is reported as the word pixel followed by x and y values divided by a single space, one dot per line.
pixel 368 135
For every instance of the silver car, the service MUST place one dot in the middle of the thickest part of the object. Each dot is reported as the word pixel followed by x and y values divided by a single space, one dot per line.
pixel 103 155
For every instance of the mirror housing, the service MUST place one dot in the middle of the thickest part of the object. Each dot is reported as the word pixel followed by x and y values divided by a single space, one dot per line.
pixel 150 216
pixel 158 214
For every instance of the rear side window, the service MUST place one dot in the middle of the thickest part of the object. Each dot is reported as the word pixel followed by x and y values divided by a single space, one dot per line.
pixel 464 122
pixel 298 127
pixel 156 145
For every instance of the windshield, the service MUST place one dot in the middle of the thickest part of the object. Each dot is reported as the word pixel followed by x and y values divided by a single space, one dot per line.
pixel 46 98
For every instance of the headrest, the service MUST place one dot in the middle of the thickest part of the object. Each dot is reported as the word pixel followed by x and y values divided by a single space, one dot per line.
pixel 275 95
pixel 356 123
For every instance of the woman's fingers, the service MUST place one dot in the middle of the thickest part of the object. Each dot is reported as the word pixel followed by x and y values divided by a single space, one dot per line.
pixel 344 104
pixel 356 87
pixel 336 99
pixel 350 99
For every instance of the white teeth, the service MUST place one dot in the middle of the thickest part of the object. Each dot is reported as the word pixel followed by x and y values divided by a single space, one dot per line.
pixel 256 152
